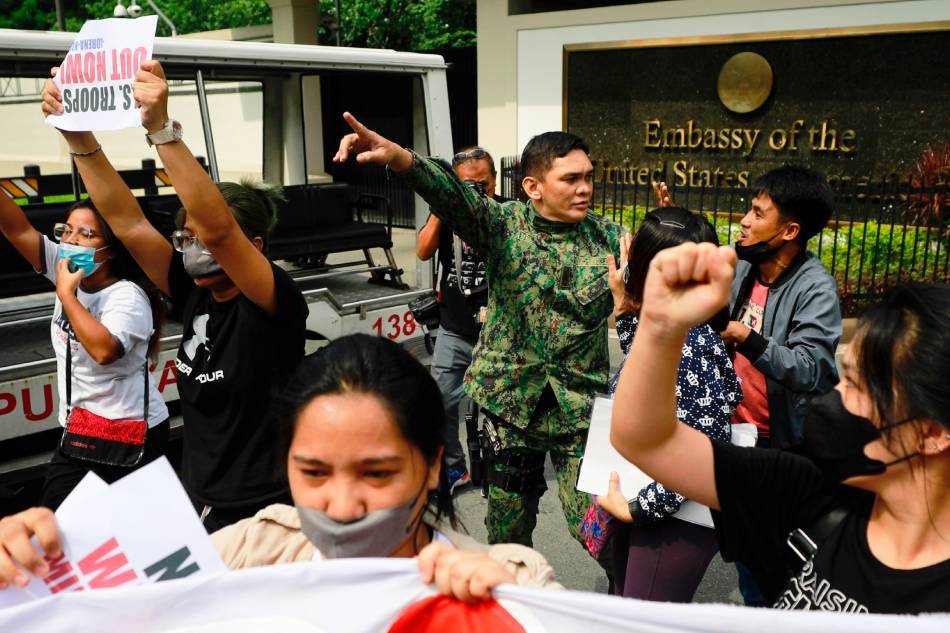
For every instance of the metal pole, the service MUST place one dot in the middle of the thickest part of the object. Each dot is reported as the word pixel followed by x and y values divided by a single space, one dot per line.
pixel 339 22
pixel 159 13
pixel 206 125
pixel 60 18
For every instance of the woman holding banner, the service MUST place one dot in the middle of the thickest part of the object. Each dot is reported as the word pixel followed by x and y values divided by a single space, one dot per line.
pixel 860 520
pixel 244 318
pixel 106 322
pixel 363 437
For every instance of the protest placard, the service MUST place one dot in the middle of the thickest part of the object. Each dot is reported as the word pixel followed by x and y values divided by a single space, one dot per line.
pixel 601 458
pixel 141 529
pixel 96 76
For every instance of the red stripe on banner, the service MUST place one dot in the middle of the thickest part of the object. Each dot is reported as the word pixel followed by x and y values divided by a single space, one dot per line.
pixel 84 422
pixel 442 613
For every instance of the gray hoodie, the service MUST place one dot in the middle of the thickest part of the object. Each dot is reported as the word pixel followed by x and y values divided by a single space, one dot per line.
pixel 796 349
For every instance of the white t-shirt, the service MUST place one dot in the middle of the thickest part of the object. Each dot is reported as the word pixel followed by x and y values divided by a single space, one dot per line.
pixel 115 390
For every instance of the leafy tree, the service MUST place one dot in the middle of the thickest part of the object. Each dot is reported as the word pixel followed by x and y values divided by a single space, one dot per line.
pixel 189 16
pixel 400 24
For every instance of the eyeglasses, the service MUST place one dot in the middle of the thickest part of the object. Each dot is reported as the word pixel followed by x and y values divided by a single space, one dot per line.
pixel 62 231
pixel 185 241
pixel 461 157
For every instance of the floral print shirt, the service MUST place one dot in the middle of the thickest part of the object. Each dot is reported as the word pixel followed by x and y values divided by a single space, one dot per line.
pixel 707 391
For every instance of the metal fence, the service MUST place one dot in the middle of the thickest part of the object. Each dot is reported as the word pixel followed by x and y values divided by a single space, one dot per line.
pixel 883 230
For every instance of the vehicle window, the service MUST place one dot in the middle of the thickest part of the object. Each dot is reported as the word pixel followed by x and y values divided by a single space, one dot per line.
pixel 237 123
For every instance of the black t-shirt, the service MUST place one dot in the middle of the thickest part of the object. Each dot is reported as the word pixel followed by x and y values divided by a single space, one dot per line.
pixel 765 494
pixel 458 312
pixel 233 359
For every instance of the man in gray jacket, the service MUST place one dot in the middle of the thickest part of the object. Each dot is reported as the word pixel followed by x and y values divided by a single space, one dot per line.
pixel 786 320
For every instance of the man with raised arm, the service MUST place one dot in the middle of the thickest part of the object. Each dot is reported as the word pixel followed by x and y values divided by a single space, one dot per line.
pixel 542 352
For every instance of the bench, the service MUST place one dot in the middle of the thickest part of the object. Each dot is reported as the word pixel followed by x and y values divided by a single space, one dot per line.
pixel 314 222
pixel 320 219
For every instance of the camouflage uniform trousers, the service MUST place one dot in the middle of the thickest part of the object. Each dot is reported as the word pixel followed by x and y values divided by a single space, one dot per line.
pixel 512 516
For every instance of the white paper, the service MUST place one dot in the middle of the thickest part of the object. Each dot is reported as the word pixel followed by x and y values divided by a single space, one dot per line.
pixel 141 529
pixel 601 458
pixel 96 76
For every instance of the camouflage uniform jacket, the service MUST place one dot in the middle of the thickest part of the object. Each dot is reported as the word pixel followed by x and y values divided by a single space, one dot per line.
pixel 548 298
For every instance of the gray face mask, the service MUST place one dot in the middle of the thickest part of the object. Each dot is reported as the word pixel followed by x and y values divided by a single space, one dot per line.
pixel 375 534
pixel 199 262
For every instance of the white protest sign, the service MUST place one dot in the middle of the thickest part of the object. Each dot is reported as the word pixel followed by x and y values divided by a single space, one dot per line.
pixel 96 76
pixel 141 529
pixel 601 458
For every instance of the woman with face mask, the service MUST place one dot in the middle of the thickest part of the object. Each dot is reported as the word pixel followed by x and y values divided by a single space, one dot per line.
pixel 105 325
pixel 859 519
pixel 362 435
pixel 243 317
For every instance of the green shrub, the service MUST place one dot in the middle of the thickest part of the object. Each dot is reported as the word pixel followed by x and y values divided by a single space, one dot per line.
pixel 879 254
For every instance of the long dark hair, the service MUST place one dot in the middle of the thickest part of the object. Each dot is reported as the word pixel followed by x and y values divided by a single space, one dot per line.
pixel 660 229
pixel 903 353
pixel 376 366
pixel 124 266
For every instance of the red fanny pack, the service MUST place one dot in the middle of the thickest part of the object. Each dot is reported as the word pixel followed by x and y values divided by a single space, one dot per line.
pixel 94 438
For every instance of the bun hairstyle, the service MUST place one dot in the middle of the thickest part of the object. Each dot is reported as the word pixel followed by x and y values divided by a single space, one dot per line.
pixel 253 204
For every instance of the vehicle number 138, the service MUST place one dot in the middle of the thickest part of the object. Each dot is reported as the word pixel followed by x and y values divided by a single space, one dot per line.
pixel 395 326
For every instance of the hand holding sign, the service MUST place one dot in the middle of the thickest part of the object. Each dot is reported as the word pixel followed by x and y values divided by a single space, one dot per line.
pixel 16 549
pixel 150 91
pixel 94 82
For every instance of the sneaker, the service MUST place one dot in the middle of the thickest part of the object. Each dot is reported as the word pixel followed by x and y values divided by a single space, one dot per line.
pixel 457 478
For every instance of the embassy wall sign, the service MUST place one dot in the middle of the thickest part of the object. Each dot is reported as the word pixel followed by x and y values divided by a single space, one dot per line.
pixel 718 111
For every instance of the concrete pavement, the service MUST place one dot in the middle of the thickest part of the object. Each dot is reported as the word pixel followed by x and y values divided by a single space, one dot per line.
pixel 574 567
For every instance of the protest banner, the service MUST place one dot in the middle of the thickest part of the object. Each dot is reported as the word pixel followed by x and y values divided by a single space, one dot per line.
pixel 387 595
pixel 96 76
pixel 141 529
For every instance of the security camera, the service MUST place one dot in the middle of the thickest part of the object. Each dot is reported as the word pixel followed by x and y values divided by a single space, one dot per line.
pixel 135 10
pixel 119 11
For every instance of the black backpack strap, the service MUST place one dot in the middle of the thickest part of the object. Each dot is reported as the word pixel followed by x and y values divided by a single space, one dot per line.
pixel 745 289
pixel 69 375
pixel 804 541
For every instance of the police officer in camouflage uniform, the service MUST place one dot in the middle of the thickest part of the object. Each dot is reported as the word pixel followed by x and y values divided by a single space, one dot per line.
pixel 542 352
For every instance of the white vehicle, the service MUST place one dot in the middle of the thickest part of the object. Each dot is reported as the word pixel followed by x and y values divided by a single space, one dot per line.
pixel 248 108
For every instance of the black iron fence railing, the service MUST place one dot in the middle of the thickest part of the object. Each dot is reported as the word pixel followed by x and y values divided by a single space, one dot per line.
pixel 883 230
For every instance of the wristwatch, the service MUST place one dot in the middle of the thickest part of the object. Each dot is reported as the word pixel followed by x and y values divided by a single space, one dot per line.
pixel 170 132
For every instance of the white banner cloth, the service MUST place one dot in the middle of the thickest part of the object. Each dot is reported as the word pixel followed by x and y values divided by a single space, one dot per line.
pixel 357 595
pixel 96 76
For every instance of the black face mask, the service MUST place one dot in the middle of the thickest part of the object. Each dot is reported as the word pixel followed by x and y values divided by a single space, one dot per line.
pixel 757 253
pixel 834 438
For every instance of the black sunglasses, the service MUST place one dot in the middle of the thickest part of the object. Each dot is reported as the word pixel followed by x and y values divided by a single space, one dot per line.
pixel 461 157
